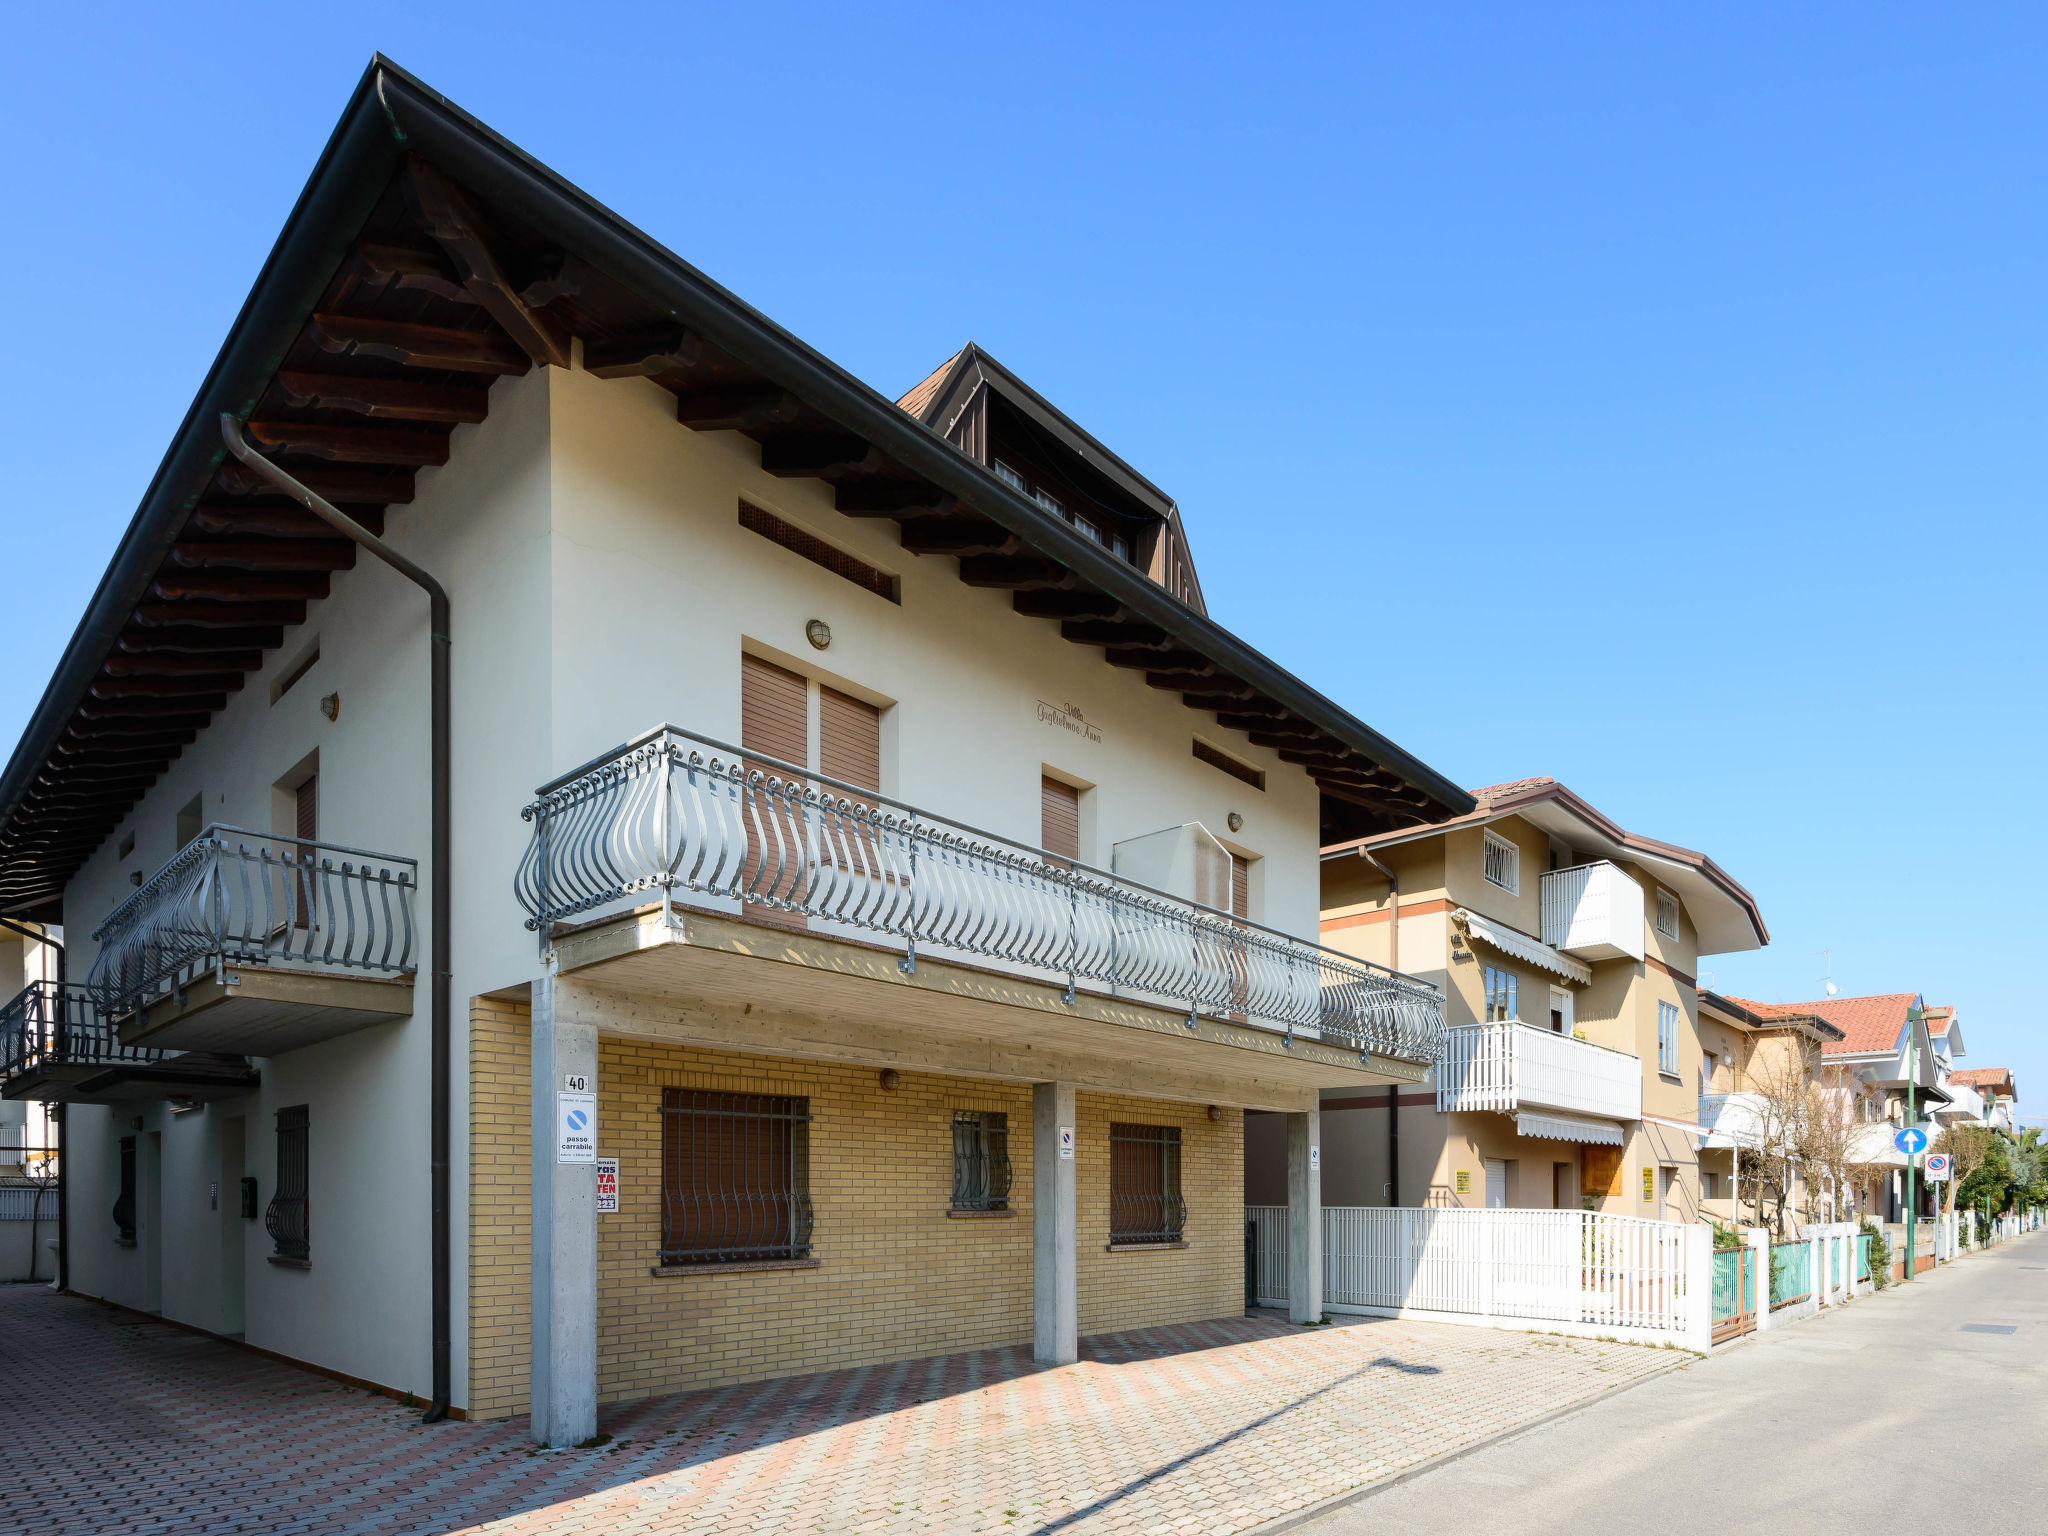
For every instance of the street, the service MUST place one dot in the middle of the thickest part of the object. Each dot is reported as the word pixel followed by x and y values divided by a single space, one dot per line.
pixel 1889 1410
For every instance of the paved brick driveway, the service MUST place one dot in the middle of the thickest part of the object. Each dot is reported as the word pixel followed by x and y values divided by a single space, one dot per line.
pixel 132 1426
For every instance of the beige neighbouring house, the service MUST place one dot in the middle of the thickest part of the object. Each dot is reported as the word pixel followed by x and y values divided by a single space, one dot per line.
pixel 1567 948
pixel 876 890
pixel 1757 1075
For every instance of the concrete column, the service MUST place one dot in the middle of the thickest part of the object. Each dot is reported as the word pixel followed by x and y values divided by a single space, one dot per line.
pixel 1055 1291
pixel 1760 1245
pixel 1305 1216
pixel 1699 1289
pixel 564 1227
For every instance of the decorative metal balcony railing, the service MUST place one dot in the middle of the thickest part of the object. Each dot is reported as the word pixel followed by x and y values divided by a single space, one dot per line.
pixel 55 1024
pixel 672 813
pixel 1510 1066
pixel 238 898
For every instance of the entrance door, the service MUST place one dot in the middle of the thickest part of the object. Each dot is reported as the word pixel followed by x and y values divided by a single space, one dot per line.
pixel 1564 1187
pixel 232 1161
pixel 1496 1184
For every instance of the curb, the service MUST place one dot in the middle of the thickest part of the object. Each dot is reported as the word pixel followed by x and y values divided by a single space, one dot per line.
pixel 1359 1495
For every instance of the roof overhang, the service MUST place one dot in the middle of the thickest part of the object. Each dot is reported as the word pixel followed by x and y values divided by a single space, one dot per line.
pixel 52 813
pixel 1724 914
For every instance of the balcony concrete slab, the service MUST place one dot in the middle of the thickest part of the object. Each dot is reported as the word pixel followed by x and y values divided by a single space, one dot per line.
pixel 266 1011
pixel 726 983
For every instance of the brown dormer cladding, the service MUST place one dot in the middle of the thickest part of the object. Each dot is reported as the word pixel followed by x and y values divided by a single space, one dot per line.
pixel 427 257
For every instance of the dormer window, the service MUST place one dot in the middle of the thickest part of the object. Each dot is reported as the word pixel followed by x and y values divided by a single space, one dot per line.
pixel 1007 475
pixel 1052 503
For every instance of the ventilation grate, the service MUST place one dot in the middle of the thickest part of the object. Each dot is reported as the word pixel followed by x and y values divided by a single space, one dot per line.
pixel 818 552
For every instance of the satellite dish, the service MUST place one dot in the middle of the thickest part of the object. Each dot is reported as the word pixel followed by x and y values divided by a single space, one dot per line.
pixel 1831 989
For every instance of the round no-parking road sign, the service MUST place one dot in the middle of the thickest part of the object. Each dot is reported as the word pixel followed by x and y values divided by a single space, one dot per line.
pixel 1937 1166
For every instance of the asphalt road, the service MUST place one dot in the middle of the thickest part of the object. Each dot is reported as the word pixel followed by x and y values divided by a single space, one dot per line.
pixel 1882 1415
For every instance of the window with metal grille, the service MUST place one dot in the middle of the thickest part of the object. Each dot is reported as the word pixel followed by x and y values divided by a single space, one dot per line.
pixel 286 1218
pixel 1503 864
pixel 814 549
pixel 1667 1039
pixel 735 1177
pixel 1145 1204
pixel 1667 914
pixel 1500 994
pixel 124 1202
pixel 981 1160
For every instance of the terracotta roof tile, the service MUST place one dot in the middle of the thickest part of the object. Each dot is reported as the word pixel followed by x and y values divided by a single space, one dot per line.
pixel 1866 1023
pixel 921 392
pixel 1984 1077
pixel 1501 791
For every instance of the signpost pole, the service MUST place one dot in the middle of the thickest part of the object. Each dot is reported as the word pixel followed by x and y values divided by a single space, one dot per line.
pixel 1913 1018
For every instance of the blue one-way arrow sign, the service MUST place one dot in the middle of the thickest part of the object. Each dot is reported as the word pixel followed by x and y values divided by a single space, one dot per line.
pixel 1911 1140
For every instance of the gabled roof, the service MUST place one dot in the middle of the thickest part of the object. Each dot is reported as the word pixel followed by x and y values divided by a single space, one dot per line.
pixel 426 257
pixel 1986 1080
pixel 1744 1016
pixel 1868 1025
pixel 1724 914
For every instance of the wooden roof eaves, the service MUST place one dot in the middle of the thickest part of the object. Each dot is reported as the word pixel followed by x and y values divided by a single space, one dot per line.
pixel 391 114
pixel 355 166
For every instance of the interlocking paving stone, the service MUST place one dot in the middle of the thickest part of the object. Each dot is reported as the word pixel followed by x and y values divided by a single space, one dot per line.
pixel 138 1426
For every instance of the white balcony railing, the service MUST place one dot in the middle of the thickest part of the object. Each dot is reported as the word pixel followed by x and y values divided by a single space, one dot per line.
pixel 1512 1066
pixel 673 816
pixel 1594 911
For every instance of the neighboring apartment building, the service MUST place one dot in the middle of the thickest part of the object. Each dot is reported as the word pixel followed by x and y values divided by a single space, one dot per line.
pixel 1567 948
pixel 904 993
pixel 1994 1095
pixel 1755 1073
pixel 1884 1057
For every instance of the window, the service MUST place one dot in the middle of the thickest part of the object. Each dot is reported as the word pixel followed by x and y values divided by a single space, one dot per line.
pixel 814 549
pixel 1500 994
pixel 735 1177
pixel 1667 914
pixel 1007 475
pixel 286 1219
pixel 1560 1010
pixel 1059 819
pixel 981 1160
pixel 849 740
pixel 1667 1039
pixel 1244 773
pixel 1503 864
pixel 1144 1185
pixel 124 1203
pixel 1052 504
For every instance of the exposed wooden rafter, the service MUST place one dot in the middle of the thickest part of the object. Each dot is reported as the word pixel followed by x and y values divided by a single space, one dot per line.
pixel 453 222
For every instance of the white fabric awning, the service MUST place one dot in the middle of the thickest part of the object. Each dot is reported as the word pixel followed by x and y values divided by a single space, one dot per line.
pixel 1522 947
pixel 1602 1133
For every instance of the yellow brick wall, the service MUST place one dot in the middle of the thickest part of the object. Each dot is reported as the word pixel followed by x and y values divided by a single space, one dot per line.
pixel 1143 1288
pixel 897 1278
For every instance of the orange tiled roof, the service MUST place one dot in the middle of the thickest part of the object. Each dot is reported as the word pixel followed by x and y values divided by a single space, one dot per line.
pixel 1513 786
pixel 1866 1023
pixel 1939 1019
pixel 1985 1077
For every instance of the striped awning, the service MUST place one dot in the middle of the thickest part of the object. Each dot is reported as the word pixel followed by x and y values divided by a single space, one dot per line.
pixel 1601 1133
pixel 1522 947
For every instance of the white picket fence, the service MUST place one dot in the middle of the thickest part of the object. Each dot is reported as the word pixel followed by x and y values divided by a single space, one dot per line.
pixel 1577 1271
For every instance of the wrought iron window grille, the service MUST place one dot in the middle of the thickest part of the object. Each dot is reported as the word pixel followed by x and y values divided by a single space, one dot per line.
pixel 287 1217
pixel 981 1160
pixel 671 814
pixel 1145 1204
pixel 735 1177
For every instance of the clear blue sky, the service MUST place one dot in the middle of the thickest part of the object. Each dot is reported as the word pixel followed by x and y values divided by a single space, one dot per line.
pixel 1656 403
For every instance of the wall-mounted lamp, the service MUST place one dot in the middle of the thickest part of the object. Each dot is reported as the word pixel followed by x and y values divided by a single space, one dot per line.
pixel 890 1079
pixel 1215 1112
pixel 819 633
pixel 330 705
pixel 1236 821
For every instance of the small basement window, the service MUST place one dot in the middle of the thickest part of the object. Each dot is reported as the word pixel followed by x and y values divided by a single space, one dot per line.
pixel 1503 864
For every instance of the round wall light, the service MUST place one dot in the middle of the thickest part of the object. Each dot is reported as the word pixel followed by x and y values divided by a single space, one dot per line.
pixel 819 633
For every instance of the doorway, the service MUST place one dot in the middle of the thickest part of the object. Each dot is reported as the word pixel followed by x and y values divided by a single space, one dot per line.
pixel 1496 1183
pixel 1564 1186
pixel 153 1222
pixel 233 1278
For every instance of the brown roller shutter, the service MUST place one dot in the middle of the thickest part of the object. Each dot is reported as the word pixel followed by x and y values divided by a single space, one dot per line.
pixel 1240 886
pixel 772 710
pixel 1059 818
pixel 307 796
pixel 849 740
pixel 306 811
pixel 772 722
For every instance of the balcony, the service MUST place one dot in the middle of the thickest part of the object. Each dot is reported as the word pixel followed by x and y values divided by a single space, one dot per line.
pixel 56 1046
pixel 1517 1069
pixel 258 945
pixel 675 819
pixel 1594 911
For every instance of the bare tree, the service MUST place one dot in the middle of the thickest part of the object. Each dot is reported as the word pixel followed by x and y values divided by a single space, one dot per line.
pixel 1967 1146
pixel 1780 1089
pixel 1830 1144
